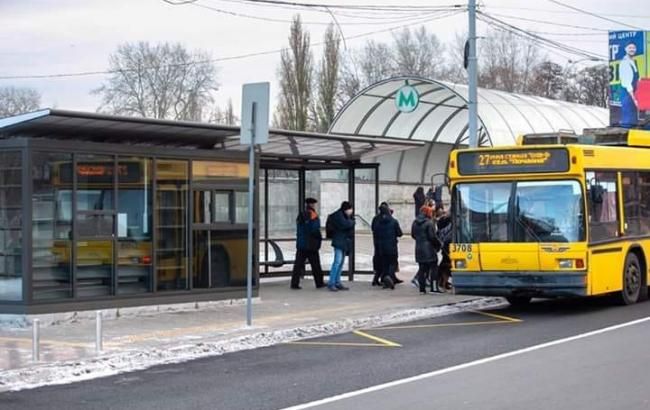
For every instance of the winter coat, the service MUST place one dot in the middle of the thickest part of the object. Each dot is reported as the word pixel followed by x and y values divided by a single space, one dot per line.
pixel 385 231
pixel 343 231
pixel 444 236
pixel 419 198
pixel 427 244
pixel 308 231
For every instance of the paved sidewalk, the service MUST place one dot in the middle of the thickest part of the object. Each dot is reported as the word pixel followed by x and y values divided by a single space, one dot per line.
pixel 278 308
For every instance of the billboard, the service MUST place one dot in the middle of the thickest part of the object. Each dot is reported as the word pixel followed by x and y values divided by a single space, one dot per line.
pixel 629 79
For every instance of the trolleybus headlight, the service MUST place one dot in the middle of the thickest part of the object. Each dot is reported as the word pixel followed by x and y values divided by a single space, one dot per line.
pixel 565 263
pixel 460 264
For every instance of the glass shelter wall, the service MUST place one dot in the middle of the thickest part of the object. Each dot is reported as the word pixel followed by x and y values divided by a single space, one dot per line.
pixel 103 226
pixel 11 228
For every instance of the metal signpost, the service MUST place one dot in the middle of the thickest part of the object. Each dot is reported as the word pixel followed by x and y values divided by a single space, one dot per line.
pixel 254 130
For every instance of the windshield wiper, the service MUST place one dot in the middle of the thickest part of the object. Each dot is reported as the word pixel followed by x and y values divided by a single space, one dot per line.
pixel 521 222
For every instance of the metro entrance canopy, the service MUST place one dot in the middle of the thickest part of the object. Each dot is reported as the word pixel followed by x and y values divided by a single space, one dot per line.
pixel 439 117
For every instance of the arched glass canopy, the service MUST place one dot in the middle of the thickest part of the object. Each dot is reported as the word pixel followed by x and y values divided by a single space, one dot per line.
pixel 441 120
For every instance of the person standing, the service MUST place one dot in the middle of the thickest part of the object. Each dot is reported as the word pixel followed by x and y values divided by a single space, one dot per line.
pixel 342 234
pixel 385 231
pixel 628 72
pixel 419 198
pixel 426 249
pixel 308 242
pixel 444 236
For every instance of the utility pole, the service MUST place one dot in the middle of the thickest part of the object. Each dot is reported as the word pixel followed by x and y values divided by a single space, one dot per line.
pixel 472 73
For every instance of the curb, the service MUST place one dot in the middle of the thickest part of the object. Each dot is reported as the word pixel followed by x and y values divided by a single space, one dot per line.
pixel 133 360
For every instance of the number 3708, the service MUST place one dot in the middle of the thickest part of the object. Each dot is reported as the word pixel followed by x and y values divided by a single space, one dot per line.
pixel 461 247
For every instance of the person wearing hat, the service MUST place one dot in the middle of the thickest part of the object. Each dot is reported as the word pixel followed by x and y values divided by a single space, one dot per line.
pixel 342 235
pixel 427 246
pixel 308 242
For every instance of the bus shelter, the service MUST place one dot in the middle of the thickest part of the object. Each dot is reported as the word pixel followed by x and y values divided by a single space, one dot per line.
pixel 100 211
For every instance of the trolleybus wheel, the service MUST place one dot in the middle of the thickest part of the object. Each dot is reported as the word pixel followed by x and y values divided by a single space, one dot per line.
pixel 632 280
pixel 518 300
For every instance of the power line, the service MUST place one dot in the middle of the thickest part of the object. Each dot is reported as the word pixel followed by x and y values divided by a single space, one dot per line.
pixel 635 16
pixel 352 7
pixel 285 21
pixel 220 59
pixel 536 38
pixel 589 13
pixel 551 23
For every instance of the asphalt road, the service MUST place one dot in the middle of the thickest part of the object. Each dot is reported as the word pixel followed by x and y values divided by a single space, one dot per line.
pixel 287 375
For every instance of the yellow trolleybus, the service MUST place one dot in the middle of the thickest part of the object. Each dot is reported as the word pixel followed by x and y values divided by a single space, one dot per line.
pixel 555 216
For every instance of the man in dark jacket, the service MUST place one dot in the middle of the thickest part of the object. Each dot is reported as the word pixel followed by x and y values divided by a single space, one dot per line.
pixel 385 231
pixel 427 246
pixel 307 245
pixel 342 236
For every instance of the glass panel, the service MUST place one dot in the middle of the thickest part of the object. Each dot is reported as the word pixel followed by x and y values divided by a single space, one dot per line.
pixel 134 225
pixel 11 246
pixel 171 224
pixel 51 227
pixel 222 207
pixel 540 211
pixel 202 207
pixel 603 202
pixel 95 225
pixel 644 203
pixel 631 203
pixel 548 211
pixel 241 207
pixel 94 182
pixel 223 262
pixel 94 268
pixel 482 212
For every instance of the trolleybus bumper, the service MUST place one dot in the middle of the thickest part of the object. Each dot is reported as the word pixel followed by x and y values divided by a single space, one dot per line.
pixel 535 284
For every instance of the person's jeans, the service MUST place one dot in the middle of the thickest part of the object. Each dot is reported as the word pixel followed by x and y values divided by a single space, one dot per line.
pixel 337 267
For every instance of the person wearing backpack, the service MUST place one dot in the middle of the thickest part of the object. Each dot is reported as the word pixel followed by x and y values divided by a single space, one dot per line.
pixel 427 246
pixel 385 231
pixel 308 242
pixel 340 228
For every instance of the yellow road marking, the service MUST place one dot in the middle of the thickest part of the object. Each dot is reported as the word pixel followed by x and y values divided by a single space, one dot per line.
pixel 380 340
pixel 500 317
pixel 342 344
pixel 492 322
pixel 501 321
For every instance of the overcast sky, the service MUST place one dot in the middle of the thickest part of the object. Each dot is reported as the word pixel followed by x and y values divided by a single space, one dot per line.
pixel 68 36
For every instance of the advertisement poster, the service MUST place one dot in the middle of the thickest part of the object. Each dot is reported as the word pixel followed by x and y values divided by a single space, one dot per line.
pixel 629 79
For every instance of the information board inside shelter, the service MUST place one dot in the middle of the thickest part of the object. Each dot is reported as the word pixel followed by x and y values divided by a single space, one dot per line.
pixel 513 161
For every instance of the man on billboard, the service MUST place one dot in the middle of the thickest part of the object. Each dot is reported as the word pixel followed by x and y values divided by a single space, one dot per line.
pixel 629 100
pixel 628 73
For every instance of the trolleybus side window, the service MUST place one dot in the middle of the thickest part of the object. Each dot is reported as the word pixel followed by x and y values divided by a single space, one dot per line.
pixel 631 215
pixel 602 198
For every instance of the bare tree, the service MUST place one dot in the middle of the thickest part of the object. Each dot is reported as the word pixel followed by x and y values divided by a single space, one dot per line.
pixel 593 85
pixel 454 70
pixel 159 81
pixel 506 62
pixel 225 116
pixel 328 81
pixel 418 53
pixel 14 101
pixel 362 67
pixel 295 75
pixel 548 80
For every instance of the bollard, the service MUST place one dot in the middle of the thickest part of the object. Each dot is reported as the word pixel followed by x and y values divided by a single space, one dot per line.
pixel 36 341
pixel 98 332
